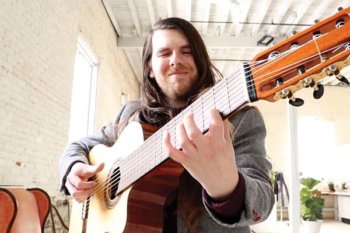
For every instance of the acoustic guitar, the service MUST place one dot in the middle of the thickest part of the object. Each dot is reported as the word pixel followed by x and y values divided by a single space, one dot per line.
pixel 139 180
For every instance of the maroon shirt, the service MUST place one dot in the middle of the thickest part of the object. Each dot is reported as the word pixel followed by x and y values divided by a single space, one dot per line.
pixel 229 210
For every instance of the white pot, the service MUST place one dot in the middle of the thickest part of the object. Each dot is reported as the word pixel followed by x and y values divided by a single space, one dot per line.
pixel 338 186
pixel 312 226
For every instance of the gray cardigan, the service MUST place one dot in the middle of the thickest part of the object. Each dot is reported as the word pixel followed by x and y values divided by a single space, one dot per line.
pixel 249 140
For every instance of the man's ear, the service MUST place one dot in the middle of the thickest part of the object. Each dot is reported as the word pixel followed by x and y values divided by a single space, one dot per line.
pixel 151 74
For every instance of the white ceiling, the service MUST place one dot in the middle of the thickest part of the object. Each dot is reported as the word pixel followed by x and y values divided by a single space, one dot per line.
pixel 230 28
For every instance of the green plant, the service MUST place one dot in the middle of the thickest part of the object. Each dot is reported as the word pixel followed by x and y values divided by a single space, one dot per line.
pixel 311 201
pixel 273 177
pixel 331 186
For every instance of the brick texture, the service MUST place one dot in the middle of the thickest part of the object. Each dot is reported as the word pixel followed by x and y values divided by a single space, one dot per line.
pixel 38 41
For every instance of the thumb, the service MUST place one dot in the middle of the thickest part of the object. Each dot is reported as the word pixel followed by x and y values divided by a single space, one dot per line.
pixel 88 171
pixel 98 167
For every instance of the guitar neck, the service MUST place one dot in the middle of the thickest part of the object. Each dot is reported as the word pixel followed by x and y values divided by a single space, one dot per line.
pixel 301 61
pixel 227 96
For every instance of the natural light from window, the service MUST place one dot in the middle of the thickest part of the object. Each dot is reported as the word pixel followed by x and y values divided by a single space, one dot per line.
pixel 83 94
pixel 319 155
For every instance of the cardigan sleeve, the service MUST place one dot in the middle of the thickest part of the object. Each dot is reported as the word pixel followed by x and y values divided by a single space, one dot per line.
pixel 229 210
pixel 78 151
pixel 249 145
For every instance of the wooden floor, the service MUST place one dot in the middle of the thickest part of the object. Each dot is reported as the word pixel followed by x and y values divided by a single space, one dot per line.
pixel 335 227
pixel 328 226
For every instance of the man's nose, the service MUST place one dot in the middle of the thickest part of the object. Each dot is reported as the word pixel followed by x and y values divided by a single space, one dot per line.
pixel 175 59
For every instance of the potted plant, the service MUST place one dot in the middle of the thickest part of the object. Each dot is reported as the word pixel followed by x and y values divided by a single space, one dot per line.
pixel 331 186
pixel 311 205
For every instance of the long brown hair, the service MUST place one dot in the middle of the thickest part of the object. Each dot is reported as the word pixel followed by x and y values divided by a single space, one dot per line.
pixel 155 107
pixel 156 110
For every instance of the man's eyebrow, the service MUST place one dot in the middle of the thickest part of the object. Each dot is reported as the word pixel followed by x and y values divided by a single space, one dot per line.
pixel 164 49
pixel 187 46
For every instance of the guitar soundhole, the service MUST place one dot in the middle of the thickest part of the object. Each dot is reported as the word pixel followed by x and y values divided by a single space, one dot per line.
pixel 112 188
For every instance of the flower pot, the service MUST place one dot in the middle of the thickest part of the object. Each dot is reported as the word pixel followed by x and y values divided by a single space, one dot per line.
pixel 312 226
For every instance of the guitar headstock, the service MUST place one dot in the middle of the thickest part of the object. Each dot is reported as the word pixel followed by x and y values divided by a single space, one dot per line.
pixel 303 60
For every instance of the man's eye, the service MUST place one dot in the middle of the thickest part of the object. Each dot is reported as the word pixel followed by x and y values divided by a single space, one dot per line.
pixel 163 54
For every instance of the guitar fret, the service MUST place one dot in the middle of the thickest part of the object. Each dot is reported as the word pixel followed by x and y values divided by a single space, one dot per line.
pixel 226 96
pixel 213 95
pixel 202 114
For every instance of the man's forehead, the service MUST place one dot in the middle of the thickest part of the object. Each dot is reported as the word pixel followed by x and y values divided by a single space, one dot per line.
pixel 169 38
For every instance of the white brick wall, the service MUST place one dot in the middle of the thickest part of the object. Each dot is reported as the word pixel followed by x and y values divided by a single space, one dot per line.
pixel 37 47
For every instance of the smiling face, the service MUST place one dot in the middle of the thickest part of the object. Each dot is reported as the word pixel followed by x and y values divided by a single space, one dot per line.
pixel 172 65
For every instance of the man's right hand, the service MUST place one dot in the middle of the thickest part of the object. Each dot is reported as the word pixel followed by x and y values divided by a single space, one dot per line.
pixel 78 184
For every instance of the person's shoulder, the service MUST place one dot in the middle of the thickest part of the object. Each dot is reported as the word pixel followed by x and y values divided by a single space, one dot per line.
pixel 133 104
pixel 127 110
pixel 247 114
pixel 248 111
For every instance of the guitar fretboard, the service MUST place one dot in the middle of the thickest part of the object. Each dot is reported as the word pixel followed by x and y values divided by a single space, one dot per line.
pixel 227 95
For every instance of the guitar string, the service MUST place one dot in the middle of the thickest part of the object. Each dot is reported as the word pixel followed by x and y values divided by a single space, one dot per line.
pixel 318 49
pixel 170 132
pixel 146 146
pixel 247 82
pixel 293 65
pixel 147 152
pixel 229 78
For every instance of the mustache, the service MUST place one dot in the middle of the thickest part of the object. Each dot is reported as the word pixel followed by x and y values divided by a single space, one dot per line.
pixel 178 71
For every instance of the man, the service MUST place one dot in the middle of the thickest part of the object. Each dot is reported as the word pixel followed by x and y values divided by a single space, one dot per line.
pixel 226 186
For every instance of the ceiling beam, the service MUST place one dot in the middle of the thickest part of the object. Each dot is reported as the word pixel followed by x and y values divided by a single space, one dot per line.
pixel 112 16
pixel 134 16
pixel 206 15
pixel 299 13
pixel 189 10
pixel 169 8
pixel 282 11
pixel 244 7
pixel 151 13
pixel 319 10
pixel 261 16
pixel 211 42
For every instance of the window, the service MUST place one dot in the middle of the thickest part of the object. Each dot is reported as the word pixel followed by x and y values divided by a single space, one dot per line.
pixel 317 146
pixel 83 93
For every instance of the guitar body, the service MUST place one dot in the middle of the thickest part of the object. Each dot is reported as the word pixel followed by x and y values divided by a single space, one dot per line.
pixel 140 207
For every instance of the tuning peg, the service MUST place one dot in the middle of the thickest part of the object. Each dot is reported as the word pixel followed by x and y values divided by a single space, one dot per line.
pixel 296 102
pixel 347 45
pixel 316 34
pixel 318 91
pixel 273 55
pixel 301 70
pixel 294 45
pixel 344 80
pixel 308 82
pixel 337 74
pixel 340 23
